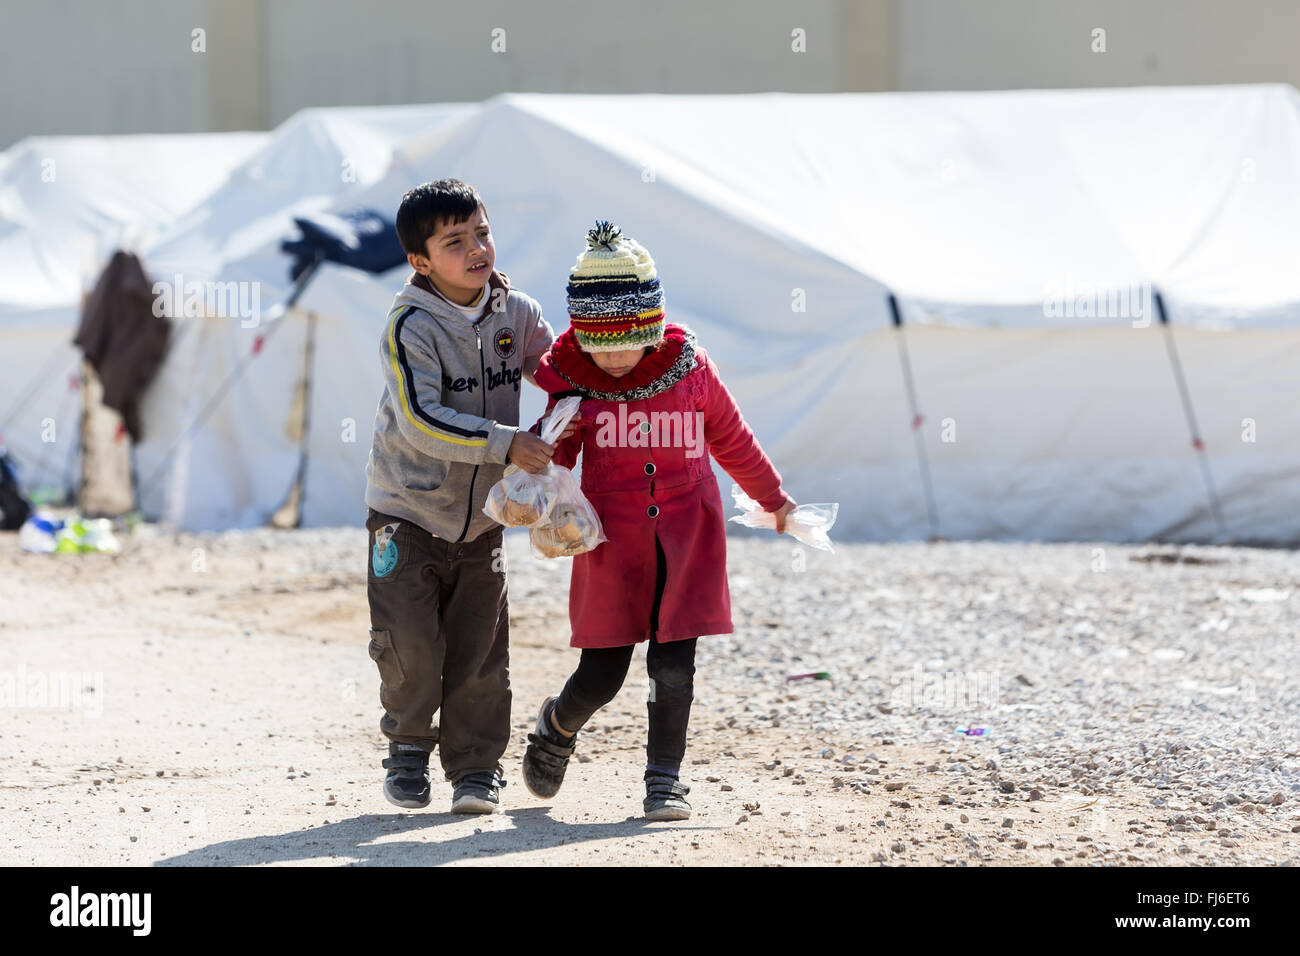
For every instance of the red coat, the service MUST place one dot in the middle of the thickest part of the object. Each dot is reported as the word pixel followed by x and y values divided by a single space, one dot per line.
pixel 641 491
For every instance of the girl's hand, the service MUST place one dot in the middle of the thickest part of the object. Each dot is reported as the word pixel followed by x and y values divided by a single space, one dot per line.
pixel 786 508
pixel 574 424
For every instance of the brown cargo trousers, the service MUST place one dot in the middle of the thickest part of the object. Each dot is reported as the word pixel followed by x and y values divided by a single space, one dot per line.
pixel 440 635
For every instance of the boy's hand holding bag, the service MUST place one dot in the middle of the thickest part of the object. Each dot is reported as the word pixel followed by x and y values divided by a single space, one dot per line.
pixel 550 503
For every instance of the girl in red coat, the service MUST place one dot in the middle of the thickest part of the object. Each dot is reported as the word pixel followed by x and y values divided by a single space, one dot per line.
pixel 653 411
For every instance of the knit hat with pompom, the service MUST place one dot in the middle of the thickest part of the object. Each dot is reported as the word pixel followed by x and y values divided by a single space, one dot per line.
pixel 615 301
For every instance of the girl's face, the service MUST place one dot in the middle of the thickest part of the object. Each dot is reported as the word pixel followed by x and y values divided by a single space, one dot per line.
pixel 618 363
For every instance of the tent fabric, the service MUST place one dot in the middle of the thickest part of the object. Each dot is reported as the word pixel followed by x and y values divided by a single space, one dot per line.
pixel 1004 221
pixel 981 205
pixel 66 204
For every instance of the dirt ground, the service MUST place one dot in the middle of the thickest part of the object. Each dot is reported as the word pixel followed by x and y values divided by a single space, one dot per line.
pixel 232 719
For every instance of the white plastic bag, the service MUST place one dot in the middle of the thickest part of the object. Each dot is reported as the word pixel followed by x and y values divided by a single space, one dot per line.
pixel 572 526
pixel 808 524
pixel 521 499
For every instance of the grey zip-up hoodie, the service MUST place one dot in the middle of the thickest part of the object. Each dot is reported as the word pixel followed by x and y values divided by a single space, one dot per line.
pixel 450 406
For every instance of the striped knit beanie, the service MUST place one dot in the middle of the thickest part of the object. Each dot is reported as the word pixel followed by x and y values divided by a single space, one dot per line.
pixel 615 301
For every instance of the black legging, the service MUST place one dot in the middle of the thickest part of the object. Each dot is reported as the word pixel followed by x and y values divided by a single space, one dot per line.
pixel 671 668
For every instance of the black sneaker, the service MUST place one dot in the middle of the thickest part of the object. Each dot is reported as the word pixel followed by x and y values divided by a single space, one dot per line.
pixel 664 798
pixel 478 792
pixel 407 783
pixel 547 756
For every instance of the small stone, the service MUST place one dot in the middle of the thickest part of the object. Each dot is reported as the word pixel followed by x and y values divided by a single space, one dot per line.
pixel 898 848
pixel 725 787
pixel 1006 786
pixel 133 839
pixel 1008 823
pixel 963 818
pixel 1021 844
pixel 713 779
pixel 159 773
pixel 891 787
pixel 744 818
pixel 1035 794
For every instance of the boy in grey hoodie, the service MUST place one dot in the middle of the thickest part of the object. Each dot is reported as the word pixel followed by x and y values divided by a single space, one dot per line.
pixel 457 343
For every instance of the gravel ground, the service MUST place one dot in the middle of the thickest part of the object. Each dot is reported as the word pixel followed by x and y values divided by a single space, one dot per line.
pixel 1140 706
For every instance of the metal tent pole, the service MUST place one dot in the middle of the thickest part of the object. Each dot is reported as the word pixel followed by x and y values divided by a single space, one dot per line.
pixel 917 418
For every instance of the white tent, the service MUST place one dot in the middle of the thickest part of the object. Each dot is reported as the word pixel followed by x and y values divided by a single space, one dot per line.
pixel 66 204
pixel 1004 222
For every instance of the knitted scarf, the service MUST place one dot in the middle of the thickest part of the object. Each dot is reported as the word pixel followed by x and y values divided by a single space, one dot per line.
pixel 657 372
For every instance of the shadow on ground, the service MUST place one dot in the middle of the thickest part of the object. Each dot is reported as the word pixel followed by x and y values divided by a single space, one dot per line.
pixel 533 829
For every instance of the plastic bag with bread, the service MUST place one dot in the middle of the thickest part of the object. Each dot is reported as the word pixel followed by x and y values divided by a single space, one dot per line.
pixel 521 499
pixel 572 526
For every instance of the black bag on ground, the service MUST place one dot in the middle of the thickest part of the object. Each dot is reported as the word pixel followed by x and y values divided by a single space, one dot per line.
pixel 14 508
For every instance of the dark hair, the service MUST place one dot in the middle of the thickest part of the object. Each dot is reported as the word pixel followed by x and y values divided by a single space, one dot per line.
pixel 424 207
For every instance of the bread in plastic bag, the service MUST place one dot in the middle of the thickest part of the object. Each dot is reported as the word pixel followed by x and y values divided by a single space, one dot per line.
pixel 522 499
pixel 520 503
pixel 572 525
pixel 808 524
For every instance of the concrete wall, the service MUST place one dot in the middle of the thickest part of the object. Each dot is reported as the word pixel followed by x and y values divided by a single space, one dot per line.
pixel 126 66
pixel 129 66
pixel 123 66
pixel 1045 44
pixel 330 52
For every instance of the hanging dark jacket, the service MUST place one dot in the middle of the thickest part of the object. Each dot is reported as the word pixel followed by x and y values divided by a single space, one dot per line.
pixel 122 338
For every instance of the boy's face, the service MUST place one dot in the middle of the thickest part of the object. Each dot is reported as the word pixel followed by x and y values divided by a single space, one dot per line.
pixel 618 363
pixel 458 257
